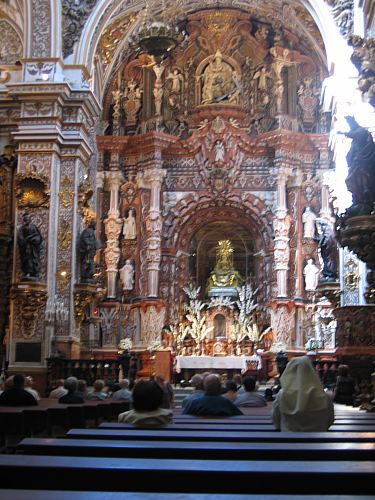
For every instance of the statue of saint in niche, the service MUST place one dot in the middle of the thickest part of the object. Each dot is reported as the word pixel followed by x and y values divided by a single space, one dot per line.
pixel 328 251
pixel 308 219
pixel 127 275
pixel 130 228
pixel 30 242
pixel 220 82
pixel 88 246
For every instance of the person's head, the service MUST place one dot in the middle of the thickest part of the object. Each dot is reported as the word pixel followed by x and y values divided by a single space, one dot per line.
pixel 18 381
pixel 81 385
pixel 238 379
pixel 92 224
pixel 70 384
pixel 352 122
pixel 59 383
pixel 230 386
pixel 147 396
pixel 124 383
pixel 197 381
pixel 212 385
pixel 249 384
pixel 98 385
pixel 343 370
pixel 29 381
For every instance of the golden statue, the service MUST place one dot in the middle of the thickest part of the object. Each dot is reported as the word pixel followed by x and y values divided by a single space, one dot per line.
pixel 224 275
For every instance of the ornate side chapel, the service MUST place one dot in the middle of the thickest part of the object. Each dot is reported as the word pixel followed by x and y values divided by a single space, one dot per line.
pixel 166 179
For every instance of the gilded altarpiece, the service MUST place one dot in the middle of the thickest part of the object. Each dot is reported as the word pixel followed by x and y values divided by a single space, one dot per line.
pixel 231 122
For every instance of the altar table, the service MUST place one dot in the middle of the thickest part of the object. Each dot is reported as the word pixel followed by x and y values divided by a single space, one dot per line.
pixel 212 362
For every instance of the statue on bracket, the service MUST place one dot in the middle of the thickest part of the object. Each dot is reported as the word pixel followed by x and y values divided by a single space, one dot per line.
pixel 88 245
pixel 30 242
pixel 127 275
pixel 361 162
pixel 130 227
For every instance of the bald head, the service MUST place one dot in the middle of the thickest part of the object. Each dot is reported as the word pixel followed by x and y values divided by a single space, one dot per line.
pixel 212 385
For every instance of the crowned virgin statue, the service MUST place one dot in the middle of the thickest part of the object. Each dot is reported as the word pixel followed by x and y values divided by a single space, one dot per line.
pixel 224 280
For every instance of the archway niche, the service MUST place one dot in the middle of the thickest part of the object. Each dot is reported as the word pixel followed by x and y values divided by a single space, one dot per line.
pixel 203 245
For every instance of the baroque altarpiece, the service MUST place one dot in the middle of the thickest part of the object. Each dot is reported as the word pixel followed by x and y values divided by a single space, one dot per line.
pixel 222 142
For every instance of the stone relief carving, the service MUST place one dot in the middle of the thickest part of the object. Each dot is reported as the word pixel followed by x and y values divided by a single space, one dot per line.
pixel 363 58
pixel 11 44
pixel 75 14
pixel 342 11
pixel 152 323
pixel 41 32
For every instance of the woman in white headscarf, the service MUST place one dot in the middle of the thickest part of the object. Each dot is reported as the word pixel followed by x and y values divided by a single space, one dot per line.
pixel 302 405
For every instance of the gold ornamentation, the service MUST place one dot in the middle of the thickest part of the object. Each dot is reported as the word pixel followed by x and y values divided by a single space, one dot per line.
pixel 29 299
pixel 65 236
pixel 85 193
pixel 66 193
pixel 129 191
pixel 32 190
pixel 83 296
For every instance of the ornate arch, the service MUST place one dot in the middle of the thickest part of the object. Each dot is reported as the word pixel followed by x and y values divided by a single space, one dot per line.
pixel 106 12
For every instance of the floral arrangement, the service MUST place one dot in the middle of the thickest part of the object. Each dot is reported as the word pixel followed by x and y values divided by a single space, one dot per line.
pixel 126 344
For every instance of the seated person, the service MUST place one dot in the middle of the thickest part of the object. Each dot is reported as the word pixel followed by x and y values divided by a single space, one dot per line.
pixel 72 397
pixel 345 389
pixel 98 393
pixel 196 382
pixel 302 405
pixel 212 403
pixel 29 388
pixel 123 394
pixel 59 391
pixel 82 388
pixel 230 390
pixel 250 397
pixel 16 395
pixel 147 402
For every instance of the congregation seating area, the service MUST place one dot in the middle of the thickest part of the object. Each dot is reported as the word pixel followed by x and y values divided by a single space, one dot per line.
pixel 197 458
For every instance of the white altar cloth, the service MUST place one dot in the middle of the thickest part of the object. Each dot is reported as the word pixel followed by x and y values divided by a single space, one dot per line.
pixel 212 362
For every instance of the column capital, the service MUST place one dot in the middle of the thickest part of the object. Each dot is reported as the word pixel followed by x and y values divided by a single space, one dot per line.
pixel 114 178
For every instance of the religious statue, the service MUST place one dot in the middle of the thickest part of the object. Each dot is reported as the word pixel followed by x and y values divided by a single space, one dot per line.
pixel 219 151
pixel 361 162
pixel 224 276
pixel 88 246
pixel 311 273
pixel 127 275
pixel 130 229
pixel 218 81
pixel 328 251
pixel 177 80
pixel 133 95
pixel 30 242
pixel 261 76
pixel 308 219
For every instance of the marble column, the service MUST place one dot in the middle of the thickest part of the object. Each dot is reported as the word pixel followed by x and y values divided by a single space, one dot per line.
pixel 154 178
pixel 281 224
pixel 113 224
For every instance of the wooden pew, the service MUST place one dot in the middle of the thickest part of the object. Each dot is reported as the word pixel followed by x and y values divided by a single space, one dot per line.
pixel 202 436
pixel 132 495
pixel 198 450
pixel 197 427
pixel 189 476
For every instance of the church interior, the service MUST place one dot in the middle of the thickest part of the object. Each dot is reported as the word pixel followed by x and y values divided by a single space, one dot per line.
pixel 187 187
